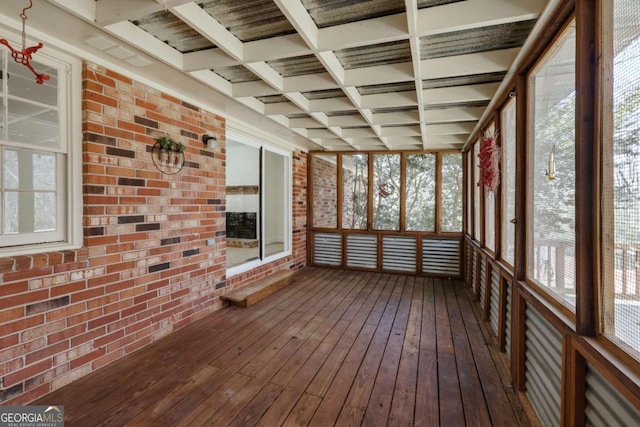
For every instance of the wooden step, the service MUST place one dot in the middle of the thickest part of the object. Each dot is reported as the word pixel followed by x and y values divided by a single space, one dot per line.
pixel 260 289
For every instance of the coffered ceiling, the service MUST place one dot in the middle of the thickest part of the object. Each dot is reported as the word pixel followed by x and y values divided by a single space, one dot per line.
pixel 344 74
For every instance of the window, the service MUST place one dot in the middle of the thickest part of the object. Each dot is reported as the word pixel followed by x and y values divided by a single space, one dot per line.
pixel 355 192
pixel 489 211
pixel 40 204
pixel 621 175
pixel 451 193
pixel 477 234
pixel 386 187
pixel 258 203
pixel 469 168
pixel 325 190
pixel 421 192
pixel 552 179
pixel 508 124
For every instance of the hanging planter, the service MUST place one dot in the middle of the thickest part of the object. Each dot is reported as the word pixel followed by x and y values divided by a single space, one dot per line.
pixel 168 155
pixel 489 157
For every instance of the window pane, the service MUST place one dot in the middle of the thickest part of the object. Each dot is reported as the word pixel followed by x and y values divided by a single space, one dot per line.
pixel 386 187
pixel 276 209
pixel 470 192
pixel 421 192
pixel 452 192
pixel 243 203
pixel 325 190
pixel 552 189
pixel 11 222
pixel 508 181
pixel 476 192
pixel 32 112
pixel 489 220
pixel 33 124
pixel 44 171
pixel 11 170
pixel 45 211
pixel 621 180
pixel 355 191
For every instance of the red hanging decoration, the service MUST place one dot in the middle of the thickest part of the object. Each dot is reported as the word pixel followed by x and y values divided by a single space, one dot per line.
pixel 489 157
pixel 24 56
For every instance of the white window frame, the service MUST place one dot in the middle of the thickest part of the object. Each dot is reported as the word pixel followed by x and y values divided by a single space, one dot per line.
pixel 69 173
pixel 288 155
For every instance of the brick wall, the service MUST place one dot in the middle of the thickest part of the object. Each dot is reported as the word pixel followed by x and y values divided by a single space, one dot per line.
pixel 325 192
pixel 146 268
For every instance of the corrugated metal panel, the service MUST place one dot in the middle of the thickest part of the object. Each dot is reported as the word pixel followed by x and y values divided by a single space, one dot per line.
pixel 273 99
pixel 386 88
pixel 468 104
pixel 422 4
pixel 467 265
pixel 472 79
pixel 329 13
pixel 441 256
pixel 394 110
pixel 507 322
pixel 473 271
pixel 324 94
pixel 297 66
pixel 399 253
pixel 605 405
pixel 173 31
pixel 494 297
pixel 482 39
pixel 374 55
pixel 327 249
pixel 343 113
pixel 249 20
pixel 236 74
pixel 362 251
pixel 543 361
pixel 483 278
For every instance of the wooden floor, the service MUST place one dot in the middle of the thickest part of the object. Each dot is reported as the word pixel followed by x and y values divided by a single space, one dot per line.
pixel 333 348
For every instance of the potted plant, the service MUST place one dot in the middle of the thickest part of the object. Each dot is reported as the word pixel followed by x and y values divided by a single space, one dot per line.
pixel 166 145
pixel 175 156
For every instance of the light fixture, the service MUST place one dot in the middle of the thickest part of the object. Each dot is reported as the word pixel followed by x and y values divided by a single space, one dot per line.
pixel 210 141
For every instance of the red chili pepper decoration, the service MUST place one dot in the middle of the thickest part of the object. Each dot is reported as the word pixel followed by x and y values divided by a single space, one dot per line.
pixel 24 56
pixel 489 157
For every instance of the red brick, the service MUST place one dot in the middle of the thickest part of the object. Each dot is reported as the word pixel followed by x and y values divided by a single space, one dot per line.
pixel 21 325
pixel 83 360
pixel 27 372
pixel 88 336
pixel 66 334
pixel 12 314
pixel 46 352
pixel 69 288
pixel 107 359
pixel 104 320
pixel 84 317
pixel 100 99
pixel 88 294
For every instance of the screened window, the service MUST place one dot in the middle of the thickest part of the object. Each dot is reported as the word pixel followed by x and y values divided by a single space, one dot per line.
pixel 552 178
pixel 325 190
pixel 421 192
pixel 355 192
pixel 621 175
pixel 40 201
pixel 258 217
pixel 477 234
pixel 470 192
pixel 489 212
pixel 508 181
pixel 386 187
pixel 451 192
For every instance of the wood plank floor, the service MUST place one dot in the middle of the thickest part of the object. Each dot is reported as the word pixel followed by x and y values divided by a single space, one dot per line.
pixel 333 348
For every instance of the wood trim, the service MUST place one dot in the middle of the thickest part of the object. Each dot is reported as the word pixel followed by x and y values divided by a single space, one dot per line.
pixel 620 375
pixel 438 210
pixel 520 255
pixel 339 192
pixel 587 170
pixel 403 192
pixel 518 345
pixel 574 383
pixel 497 223
pixel 310 236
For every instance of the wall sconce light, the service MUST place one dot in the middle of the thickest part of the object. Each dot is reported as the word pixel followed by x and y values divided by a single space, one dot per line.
pixel 210 141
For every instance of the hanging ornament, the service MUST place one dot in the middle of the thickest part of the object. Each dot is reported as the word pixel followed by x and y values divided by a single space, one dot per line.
pixel 24 56
pixel 489 157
